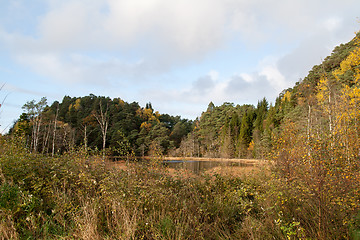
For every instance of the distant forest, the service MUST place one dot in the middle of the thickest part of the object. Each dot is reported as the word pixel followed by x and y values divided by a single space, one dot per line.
pixel 231 131
pixel 123 128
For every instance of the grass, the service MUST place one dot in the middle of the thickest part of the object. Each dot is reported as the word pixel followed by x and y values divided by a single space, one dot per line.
pixel 77 196
pixel 74 196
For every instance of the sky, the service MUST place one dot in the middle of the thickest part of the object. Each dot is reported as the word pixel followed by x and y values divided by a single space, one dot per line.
pixel 178 55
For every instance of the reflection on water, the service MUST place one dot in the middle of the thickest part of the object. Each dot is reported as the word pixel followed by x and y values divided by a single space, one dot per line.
pixel 199 166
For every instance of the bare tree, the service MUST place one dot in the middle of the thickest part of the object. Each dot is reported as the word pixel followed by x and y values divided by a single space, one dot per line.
pixel 34 110
pixel 89 121
pixel 103 120
pixel 54 132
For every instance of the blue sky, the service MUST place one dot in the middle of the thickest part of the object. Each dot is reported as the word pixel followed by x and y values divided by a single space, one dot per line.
pixel 178 55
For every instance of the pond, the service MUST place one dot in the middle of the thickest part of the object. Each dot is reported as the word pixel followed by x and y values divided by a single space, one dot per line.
pixel 199 166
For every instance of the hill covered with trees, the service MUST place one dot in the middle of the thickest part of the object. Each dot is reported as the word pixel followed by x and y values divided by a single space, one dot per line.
pixel 101 123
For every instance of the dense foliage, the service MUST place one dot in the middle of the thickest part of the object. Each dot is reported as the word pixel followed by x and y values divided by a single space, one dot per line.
pixel 101 123
pixel 317 147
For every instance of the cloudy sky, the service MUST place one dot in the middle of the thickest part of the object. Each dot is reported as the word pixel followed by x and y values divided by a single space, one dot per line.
pixel 177 54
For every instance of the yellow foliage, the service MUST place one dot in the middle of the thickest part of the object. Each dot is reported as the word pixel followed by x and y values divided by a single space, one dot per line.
pixel 251 146
pixel 323 90
pixel 76 105
pixel 139 112
pixel 146 125
pixel 286 97
pixel 121 102
pixel 352 62
pixel 324 94
pixel 319 161
pixel 147 113
pixel 157 114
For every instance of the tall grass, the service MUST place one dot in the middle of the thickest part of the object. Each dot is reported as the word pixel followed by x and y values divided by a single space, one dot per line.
pixel 75 197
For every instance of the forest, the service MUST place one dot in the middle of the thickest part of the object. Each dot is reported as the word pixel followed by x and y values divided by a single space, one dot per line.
pixel 229 131
pixel 309 189
pixel 119 128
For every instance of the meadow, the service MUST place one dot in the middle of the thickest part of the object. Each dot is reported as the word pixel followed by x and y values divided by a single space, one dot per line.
pixel 79 196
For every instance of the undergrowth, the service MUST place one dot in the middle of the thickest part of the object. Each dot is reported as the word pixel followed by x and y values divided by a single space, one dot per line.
pixel 76 196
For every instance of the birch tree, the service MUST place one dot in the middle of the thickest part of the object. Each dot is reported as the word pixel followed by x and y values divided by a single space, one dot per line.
pixel 34 110
pixel 54 132
pixel 103 120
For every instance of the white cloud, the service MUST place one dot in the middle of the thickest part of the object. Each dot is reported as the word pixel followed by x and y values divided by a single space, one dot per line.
pixel 68 26
pixel 114 42
pixel 79 68
pixel 276 79
pixel 161 33
pixel 333 23
pixel 164 33
pixel 214 74
pixel 185 27
pixel 244 88
pixel 11 89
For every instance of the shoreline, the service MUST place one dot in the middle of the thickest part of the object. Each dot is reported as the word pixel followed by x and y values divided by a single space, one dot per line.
pixel 170 158
pixel 243 160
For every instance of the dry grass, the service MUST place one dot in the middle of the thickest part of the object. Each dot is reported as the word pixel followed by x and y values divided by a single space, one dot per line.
pixel 234 171
pixel 255 166
pixel 86 222
pixel 120 165
pixel 7 229
pixel 72 197
pixel 122 221
pixel 240 171
pixel 243 160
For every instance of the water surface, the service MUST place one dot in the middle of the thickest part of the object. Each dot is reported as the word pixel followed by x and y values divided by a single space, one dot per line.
pixel 200 166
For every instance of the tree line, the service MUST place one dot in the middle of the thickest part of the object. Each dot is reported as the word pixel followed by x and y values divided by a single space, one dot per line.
pixel 229 130
pixel 99 123
pixel 121 128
